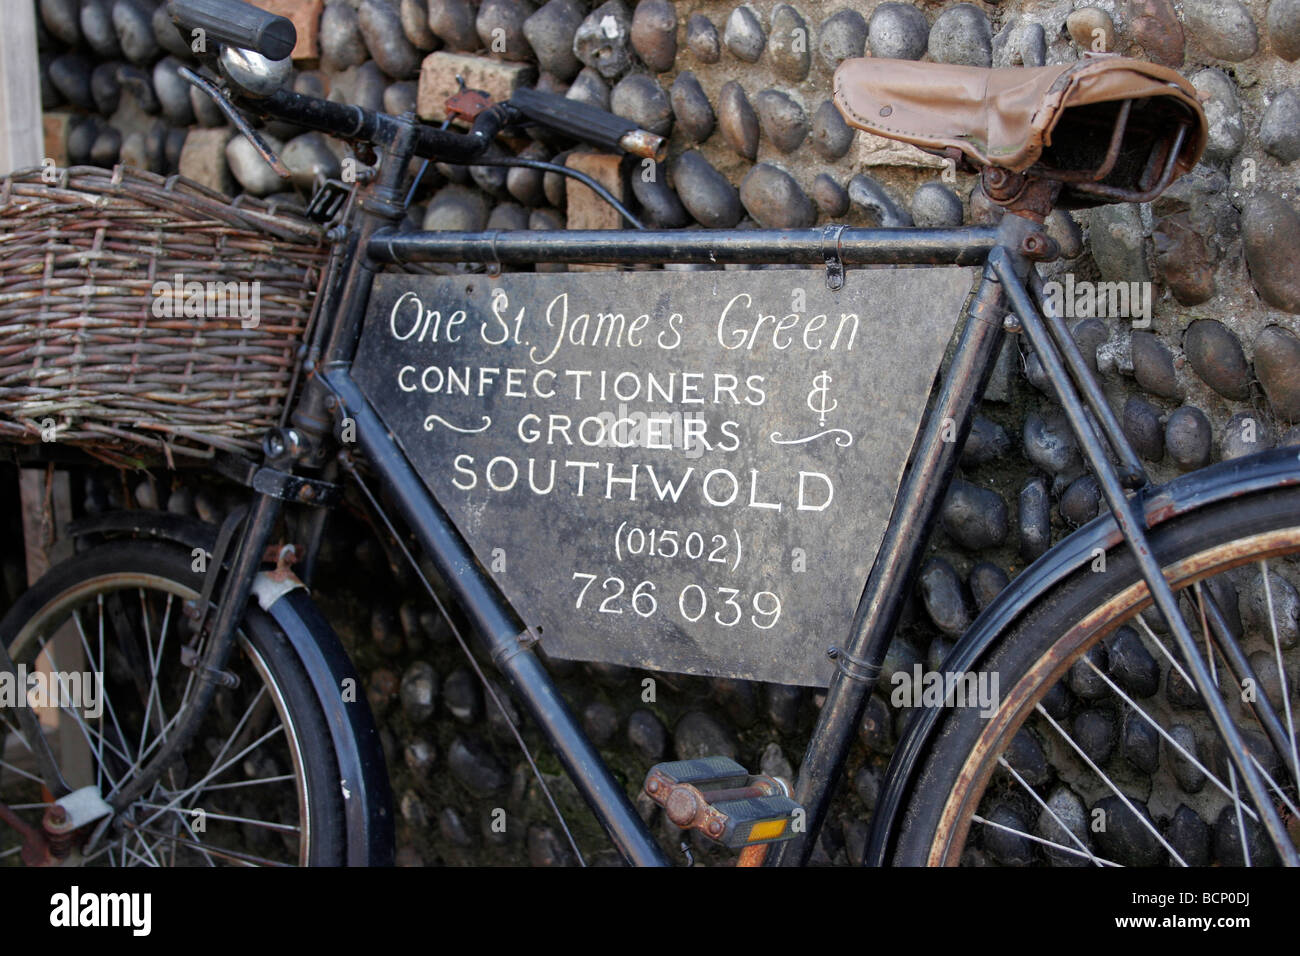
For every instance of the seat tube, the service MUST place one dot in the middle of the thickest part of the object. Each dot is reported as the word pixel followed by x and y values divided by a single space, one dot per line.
pixel 894 570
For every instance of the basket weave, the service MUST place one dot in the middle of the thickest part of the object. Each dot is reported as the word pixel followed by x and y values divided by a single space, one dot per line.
pixel 84 359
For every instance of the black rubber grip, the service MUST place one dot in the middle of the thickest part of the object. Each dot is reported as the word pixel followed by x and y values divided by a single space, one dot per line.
pixel 236 23
pixel 575 119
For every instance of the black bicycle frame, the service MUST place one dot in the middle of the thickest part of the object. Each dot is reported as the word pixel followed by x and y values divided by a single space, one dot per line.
pixel 330 394
pixel 504 637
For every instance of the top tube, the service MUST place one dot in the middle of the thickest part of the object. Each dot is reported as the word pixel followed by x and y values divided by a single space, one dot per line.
pixel 956 246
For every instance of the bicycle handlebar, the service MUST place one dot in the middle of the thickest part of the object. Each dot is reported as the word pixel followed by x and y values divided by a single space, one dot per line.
pixel 236 23
pixel 240 24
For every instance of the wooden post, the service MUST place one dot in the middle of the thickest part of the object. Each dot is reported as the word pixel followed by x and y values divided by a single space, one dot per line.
pixel 20 90
pixel 45 496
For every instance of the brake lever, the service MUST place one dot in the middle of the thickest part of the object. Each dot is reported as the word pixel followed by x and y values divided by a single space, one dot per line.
pixel 237 119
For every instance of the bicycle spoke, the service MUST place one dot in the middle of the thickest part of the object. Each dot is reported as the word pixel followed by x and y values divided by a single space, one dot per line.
pixel 214 815
pixel 250 783
pixel 5 765
pixel 1119 691
pixel 236 856
pixel 1281 668
pixel 1036 839
pixel 1042 803
pixel 103 670
pixel 1111 784
pixel 1242 671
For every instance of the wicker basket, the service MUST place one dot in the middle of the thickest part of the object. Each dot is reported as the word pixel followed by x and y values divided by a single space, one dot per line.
pixel 98 350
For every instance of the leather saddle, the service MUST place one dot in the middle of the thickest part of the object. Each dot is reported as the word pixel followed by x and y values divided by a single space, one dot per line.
pixel 1111 129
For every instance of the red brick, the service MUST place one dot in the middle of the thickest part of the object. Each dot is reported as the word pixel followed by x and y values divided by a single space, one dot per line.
pixel 56 125
pixel 305 15
pixel 438 80
pixel 586 210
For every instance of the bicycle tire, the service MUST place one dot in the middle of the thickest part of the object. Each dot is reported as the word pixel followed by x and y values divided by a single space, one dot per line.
pixel 263 651
pixel 961 775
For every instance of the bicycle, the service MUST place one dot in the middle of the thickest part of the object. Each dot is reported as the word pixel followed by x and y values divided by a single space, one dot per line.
pixel 1152 573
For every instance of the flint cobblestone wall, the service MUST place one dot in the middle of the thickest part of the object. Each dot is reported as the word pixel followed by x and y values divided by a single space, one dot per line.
pixel 744 93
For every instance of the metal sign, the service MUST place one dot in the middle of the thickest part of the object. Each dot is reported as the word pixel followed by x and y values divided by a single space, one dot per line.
pixel 683 471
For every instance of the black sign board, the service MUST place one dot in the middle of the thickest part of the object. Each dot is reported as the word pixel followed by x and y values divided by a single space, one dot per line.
pixel 683 471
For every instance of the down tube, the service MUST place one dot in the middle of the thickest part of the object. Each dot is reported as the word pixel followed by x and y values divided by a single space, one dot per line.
pixel 499 629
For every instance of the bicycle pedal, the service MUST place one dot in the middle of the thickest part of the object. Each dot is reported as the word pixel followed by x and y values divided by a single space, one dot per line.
pixel 721 799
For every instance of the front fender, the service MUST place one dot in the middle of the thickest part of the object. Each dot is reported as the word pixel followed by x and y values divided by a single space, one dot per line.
pixel 368 797
pixel 1188 493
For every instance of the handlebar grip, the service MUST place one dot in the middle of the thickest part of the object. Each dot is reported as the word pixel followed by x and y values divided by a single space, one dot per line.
pixel 588 123
pixel 236 23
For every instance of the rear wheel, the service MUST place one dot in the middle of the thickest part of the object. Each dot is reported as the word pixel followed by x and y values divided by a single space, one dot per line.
pixel 1098 750
pixel 258 785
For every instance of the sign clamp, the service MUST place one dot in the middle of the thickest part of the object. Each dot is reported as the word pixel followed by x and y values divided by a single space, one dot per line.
pixel 833 256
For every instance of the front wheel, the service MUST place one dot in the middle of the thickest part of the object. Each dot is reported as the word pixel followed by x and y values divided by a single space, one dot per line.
pixel 1098 750
pixel 101 634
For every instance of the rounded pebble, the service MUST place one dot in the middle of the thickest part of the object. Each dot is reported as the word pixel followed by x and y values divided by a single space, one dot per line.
pixel 1092 29
pixel 843 36
pixel 1279 131
pixel 1277 363
pixel 743 34
pixel 831 136
pixel 691 107
pixel 975 517
pixel 1081 501
pixel 1188 438
pixel 935 205
pixel 550 33
pixel 1245 434
pixel 898 31
pixel 790 45
pixel 774 199
pixel 737 120
pixel 699 735
pixel 1222 113
pixel 654 34
pixel 381 28
pixel 1049 442
pixel 1223 27
pixel 1142 427
pixel 830 196
pixel 1270 230
pixel 1034 519
pixel 782 120
pixel 702 38
pixel 603 41
pixel 341 44
pixel 962 34
pixel 1217 357
pixel 943 597
pixel 1283 28
pixel 660 204
pixel 1153 366
pixel 642 100
pixel 453 22
pixel 707 195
